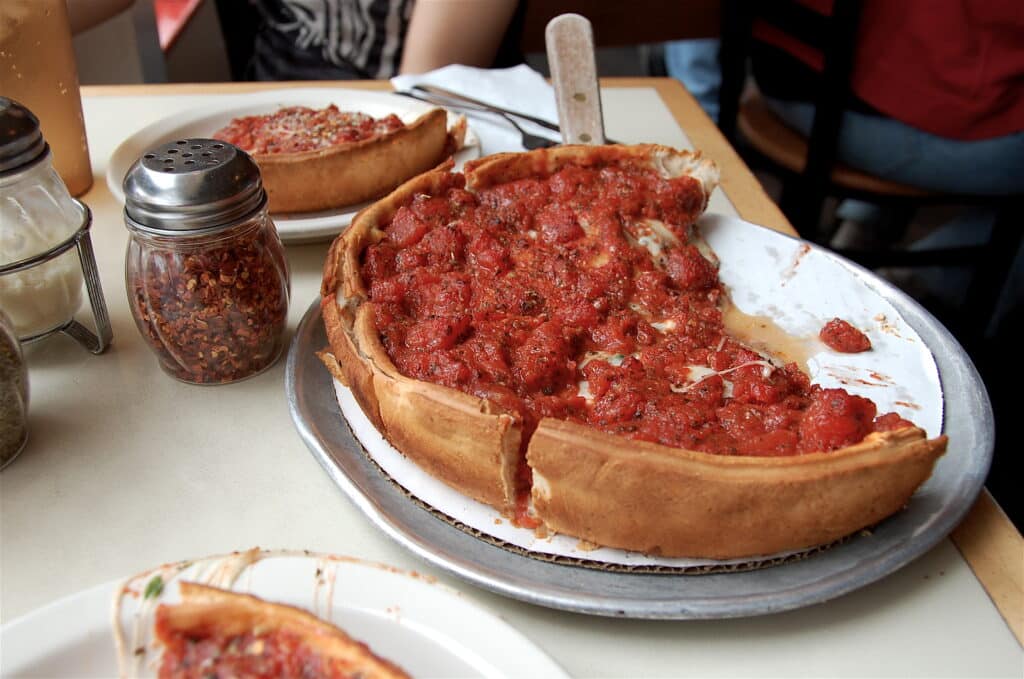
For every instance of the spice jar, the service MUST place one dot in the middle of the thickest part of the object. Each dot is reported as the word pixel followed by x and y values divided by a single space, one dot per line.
pixel 13 394
pixel 36 214
pixel 207 279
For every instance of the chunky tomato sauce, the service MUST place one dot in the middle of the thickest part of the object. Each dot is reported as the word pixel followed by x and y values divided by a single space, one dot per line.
pixel 578 297
pixel 843 337
pixel 297 128
pixel 271 654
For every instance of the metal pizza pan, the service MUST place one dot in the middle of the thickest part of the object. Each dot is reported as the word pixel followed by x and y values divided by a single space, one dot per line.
pixel 934 511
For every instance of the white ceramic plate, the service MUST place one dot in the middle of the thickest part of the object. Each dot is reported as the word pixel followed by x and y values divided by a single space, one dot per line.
pixel 204 121
pixel 427 628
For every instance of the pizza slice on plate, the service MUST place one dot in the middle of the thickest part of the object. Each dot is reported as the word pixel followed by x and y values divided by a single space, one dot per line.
pixel 219 633
pixel 543 334
pixel 319 159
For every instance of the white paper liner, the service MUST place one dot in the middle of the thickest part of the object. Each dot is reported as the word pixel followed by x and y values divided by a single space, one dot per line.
pixel 767 274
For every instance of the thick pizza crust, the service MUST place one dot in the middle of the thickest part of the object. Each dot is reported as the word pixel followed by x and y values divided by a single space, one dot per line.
pixel 465 441
pixel 654 499
pixel 207 610
pixel 603 488
pixel 357 172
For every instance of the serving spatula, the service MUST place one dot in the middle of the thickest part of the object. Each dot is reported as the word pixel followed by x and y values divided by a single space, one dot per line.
pixel 569 39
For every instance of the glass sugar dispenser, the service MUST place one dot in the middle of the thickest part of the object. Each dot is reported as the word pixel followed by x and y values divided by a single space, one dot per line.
pixel 207 279
pixel 45 249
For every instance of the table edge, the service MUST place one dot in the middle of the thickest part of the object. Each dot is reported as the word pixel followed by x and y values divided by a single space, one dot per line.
pixel 992 547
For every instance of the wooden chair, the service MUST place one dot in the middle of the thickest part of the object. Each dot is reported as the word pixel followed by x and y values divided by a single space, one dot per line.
pixel 809 168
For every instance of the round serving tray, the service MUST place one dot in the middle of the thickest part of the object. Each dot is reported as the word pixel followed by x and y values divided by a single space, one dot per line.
pixel 936 508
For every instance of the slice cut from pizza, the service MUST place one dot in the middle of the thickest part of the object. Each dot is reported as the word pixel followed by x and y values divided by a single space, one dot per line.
pixel 214 632
pixel 318 159
pixel 545 329
pixel 295 129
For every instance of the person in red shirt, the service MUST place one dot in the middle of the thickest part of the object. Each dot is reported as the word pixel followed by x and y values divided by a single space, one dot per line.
pixel 938 91
pixel 936 101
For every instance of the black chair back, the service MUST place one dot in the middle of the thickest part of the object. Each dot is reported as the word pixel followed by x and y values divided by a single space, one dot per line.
pixel 835 37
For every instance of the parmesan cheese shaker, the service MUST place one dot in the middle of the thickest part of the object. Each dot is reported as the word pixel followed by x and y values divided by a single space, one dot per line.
pixel 45 251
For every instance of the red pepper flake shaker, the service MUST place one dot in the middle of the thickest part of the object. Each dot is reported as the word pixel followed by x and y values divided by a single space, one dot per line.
pixel 207 279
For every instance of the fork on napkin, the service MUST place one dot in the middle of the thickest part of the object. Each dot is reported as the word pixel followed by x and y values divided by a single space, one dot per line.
pixel 519 88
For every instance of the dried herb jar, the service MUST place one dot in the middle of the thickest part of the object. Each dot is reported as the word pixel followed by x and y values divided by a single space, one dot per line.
pixel 13 393
pixel 206 275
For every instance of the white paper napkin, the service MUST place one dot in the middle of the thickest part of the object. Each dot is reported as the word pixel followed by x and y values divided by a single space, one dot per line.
pixel 519 88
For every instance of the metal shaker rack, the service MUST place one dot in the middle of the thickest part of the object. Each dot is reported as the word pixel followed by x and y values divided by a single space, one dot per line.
pixel 95 342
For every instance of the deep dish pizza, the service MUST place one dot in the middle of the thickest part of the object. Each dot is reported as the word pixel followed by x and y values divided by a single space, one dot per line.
pixel 543 334
pixel 219 633
pixel 316 159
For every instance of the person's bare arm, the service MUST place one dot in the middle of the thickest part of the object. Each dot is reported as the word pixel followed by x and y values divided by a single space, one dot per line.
pixel 85 14
pixel 443 32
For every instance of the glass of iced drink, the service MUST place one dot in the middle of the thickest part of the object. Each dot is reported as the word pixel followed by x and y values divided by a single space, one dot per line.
pixel 38 70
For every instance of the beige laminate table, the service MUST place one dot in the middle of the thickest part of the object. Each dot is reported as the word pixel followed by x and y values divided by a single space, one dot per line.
pixel 127 468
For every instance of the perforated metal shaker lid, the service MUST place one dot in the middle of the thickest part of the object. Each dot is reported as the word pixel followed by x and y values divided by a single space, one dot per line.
pixel 185 186
pixel 21 142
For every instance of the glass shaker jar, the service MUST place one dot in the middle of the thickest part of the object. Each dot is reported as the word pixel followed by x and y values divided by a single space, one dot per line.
pixel 36 214
pixel 207 279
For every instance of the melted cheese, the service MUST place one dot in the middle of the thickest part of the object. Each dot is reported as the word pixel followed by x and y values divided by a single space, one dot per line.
pixel 702 373
pixel 697 373
pixel 583 389
pixel 583 386
pixel 606 356
pixel 654 236
pixel 663 326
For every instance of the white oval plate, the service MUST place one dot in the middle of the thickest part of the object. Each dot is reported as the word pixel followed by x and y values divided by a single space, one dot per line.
pixel 204 121
pixel 428 629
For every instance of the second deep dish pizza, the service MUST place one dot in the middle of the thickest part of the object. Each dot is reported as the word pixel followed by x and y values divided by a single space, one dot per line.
pixel 543 334
pixel 316 159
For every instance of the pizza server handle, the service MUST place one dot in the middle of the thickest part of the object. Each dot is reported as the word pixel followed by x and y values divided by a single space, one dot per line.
pixel 570 46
